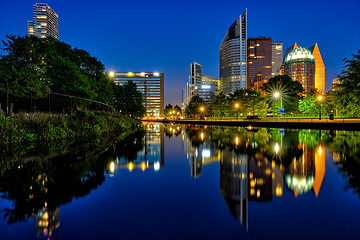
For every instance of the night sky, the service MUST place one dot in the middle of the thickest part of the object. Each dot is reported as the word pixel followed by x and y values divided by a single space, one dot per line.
pixel 167 36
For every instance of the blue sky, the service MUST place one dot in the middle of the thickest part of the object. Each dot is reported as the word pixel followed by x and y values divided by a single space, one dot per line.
pixel 167 36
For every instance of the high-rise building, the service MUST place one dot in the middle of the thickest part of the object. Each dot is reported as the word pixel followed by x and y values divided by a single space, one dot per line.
pixel 277 54
pixel 45 22
pixel 233 56
pixel 319 78
pixel 299 64
pixel 150 84
pixel 259 58
pixel 319 69
pixel 199 84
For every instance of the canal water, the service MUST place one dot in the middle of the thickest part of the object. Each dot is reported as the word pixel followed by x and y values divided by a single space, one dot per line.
pixel 186 182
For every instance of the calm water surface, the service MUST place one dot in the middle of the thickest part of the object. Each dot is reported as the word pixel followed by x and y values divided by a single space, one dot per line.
pixel 187 182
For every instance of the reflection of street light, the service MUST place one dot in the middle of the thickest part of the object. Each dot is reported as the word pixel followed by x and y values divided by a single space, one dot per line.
pixel 237 109
pixel 277 94
pixel 319 99
pixel 276 148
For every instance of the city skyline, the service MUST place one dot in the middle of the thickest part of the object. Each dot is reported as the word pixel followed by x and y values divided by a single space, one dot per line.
pixel 160 37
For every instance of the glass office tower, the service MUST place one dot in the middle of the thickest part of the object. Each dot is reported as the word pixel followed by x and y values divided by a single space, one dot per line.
pixel 233 56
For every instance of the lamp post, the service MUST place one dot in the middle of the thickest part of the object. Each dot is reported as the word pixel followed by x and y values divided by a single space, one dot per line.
pixel 237 109
pixel 319 99
pixel 277 95
pixel 201 111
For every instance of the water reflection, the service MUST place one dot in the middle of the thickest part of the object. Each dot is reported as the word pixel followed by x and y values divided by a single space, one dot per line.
pixel 147 150
pixel 254 163
pixel 38 185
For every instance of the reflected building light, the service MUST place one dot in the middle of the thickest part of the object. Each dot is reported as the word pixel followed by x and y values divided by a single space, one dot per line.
pixel 143 166
pixel 196 152
pixel 130 166
pixel 156 166
pixel 206 153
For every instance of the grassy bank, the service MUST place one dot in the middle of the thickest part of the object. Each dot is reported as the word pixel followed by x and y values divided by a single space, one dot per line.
pixel 39 126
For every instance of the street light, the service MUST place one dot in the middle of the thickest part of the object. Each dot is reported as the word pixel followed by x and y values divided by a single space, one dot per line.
pixel 111 74
pixel 237 109
pixel 277 95
pixel 202 110
pixel 319 99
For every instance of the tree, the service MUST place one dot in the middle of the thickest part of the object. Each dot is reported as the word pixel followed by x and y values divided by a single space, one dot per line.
pixel 50 65
pixel 347 98
pixel 193 108
pixel 289 90
pixel 168 110
pixel 177 109
pixel 129 101
pixel 221 105
pixel 250 101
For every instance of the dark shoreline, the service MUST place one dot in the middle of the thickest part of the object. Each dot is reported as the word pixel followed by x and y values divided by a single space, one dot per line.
pixel 352 125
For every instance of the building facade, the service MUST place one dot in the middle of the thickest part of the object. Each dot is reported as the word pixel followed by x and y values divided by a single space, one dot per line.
pixel 149 84
pixel 319 82
pixel 45 22
pixel 200 84
pixel 319 69
pixel 277 56
pixel 233 56
pixel 299 64
pixel 259 58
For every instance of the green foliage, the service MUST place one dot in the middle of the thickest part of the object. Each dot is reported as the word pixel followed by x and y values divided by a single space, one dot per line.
pixel 289 90
pixel 221 105
pixel 193 108
pixel 129 101
pixel 346 98
pixel 250 102
pixel 25 127
pixel 50 65
pixel 168 110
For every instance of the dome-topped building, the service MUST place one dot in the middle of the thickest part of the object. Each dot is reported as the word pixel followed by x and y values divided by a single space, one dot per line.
pixel 299 64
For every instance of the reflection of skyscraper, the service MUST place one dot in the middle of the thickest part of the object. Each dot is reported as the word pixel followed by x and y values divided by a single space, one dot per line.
pixel 265 179
pixel 46 222
pixel 233 56
pixel 151 156
pixel 300 174
pixel 233 187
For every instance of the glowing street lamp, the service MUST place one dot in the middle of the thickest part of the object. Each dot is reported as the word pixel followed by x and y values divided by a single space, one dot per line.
pixel 202 111
pixel 319 98
pixel 237 110
pixel 111 74
pixel 277 94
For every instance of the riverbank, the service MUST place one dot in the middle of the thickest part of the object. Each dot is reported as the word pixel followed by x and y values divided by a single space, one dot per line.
pixel 296 123
pixel 24 127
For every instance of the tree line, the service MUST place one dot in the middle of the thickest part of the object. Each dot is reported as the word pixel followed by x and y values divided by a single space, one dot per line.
pixel 54 66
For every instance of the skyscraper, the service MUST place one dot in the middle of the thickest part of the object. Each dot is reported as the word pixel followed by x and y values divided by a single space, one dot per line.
pixel 277 54
pixel 259 60
pixel 299 64
pixel 45 22
pixel 319 69
pixel 319 75
pixel 233 56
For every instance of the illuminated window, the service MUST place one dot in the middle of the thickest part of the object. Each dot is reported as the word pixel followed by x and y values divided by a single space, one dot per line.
pixel 258 193
pixel 252 191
